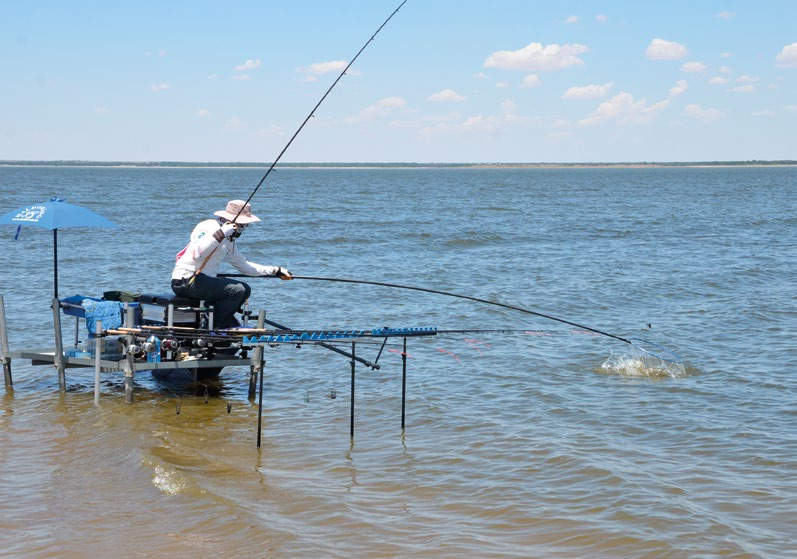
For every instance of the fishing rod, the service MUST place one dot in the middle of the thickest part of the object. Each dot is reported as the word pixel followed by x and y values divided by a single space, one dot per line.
pixel 647 347
pixel 312 113
pixel 449 294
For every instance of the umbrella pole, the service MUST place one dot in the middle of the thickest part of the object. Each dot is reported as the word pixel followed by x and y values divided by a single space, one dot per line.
pixel 55 263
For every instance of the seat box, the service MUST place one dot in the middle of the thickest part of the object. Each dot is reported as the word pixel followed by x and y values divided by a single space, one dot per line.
pixel 155 308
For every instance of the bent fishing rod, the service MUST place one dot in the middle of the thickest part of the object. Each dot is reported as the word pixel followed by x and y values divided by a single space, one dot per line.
pixel 312 113
pixel 448 294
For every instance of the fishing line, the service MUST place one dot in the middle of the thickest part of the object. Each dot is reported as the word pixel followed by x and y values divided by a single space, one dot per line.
pixel 449 294
pixel 646 347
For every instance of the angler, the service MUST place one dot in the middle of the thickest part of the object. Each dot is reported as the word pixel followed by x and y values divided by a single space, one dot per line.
pixel 213 242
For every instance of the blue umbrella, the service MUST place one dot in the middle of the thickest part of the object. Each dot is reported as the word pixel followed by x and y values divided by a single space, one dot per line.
pixel 54 215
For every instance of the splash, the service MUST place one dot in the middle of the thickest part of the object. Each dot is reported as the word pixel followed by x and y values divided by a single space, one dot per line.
pixel 643 364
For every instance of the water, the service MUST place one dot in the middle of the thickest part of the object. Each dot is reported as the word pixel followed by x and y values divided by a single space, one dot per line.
pixel 550 442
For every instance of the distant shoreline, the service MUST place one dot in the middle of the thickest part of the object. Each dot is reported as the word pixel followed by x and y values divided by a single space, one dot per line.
pixel 475 165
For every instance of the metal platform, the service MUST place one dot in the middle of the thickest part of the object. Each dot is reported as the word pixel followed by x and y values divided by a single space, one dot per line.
pixel 215 352
pixel 48 357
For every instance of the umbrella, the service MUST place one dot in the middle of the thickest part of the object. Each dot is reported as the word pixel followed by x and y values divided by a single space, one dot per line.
pixel 54 215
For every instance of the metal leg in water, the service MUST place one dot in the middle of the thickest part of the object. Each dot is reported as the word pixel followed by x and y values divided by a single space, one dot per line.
pixel 257 357
pixel 4 349
pixel 97 358
pixel 262 367
pixel 403 383
pixel 353 363
pixel 58 358
pixel 130 368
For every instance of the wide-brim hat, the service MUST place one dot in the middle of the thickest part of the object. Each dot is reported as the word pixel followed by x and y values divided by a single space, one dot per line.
pixel 233 212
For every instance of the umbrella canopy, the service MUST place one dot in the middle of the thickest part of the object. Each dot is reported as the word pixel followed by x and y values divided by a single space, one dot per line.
pixel 54 215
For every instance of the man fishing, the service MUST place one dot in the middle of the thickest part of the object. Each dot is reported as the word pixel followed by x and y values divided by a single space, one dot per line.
pixel 213 241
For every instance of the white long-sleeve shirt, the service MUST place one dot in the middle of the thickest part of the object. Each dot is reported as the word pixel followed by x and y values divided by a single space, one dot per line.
pixel 202 243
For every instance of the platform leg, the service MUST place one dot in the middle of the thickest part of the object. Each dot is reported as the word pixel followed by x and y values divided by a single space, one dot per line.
pixel 4 349
pixel 97 358
pixel 262 367
pixel 403 383
pixel 130 367
pixel 58 360
pixel 351 419
pixel 257 357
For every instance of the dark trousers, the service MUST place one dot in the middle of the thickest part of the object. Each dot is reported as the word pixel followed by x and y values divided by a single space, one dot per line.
pixel 225 294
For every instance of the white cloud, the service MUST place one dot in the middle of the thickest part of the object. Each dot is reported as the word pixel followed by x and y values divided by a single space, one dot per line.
pixel 679 87
pixel 571 19
pixel 213 77
pixel 502 85
pixel 791 108
pixel 234 123
pixel 787 58
pixel 321 68
pixel 763 113
pixel 203 113
pixel 248 65
pixel 488 127
pixel 719 80
pixel 101 110
pixel 446 95
pixel 693 67
pixel 588 91
pixel 743 88
pixel 724 15
pixel 659 49
pixel 492 123
pixel 159 87
pixel 623 109
pixel 381 108
pixel 508 107
pixel 600 18
pixel 536 58
pixel 242 77
pixel 697 112
pixel 747 79
pixel 726 55
pixel 725 70
pixel 531 81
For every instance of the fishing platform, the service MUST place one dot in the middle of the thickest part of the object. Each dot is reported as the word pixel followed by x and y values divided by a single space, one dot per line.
pixel 161 334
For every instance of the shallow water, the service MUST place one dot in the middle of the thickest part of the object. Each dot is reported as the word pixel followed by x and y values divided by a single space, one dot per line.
pixel 547 442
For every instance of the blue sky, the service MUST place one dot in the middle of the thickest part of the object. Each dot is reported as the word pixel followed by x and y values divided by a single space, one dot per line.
pixel 445 80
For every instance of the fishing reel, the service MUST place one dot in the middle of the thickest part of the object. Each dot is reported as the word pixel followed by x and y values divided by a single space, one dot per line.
pixel 136 351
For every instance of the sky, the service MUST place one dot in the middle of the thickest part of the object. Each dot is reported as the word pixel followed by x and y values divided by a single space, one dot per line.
pixel 445 81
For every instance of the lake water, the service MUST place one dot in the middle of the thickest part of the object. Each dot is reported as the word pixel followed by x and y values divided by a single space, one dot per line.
pixel 528 444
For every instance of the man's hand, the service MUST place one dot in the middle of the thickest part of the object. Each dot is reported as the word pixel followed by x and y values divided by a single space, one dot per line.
pixel 228 229
pixel 283 274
